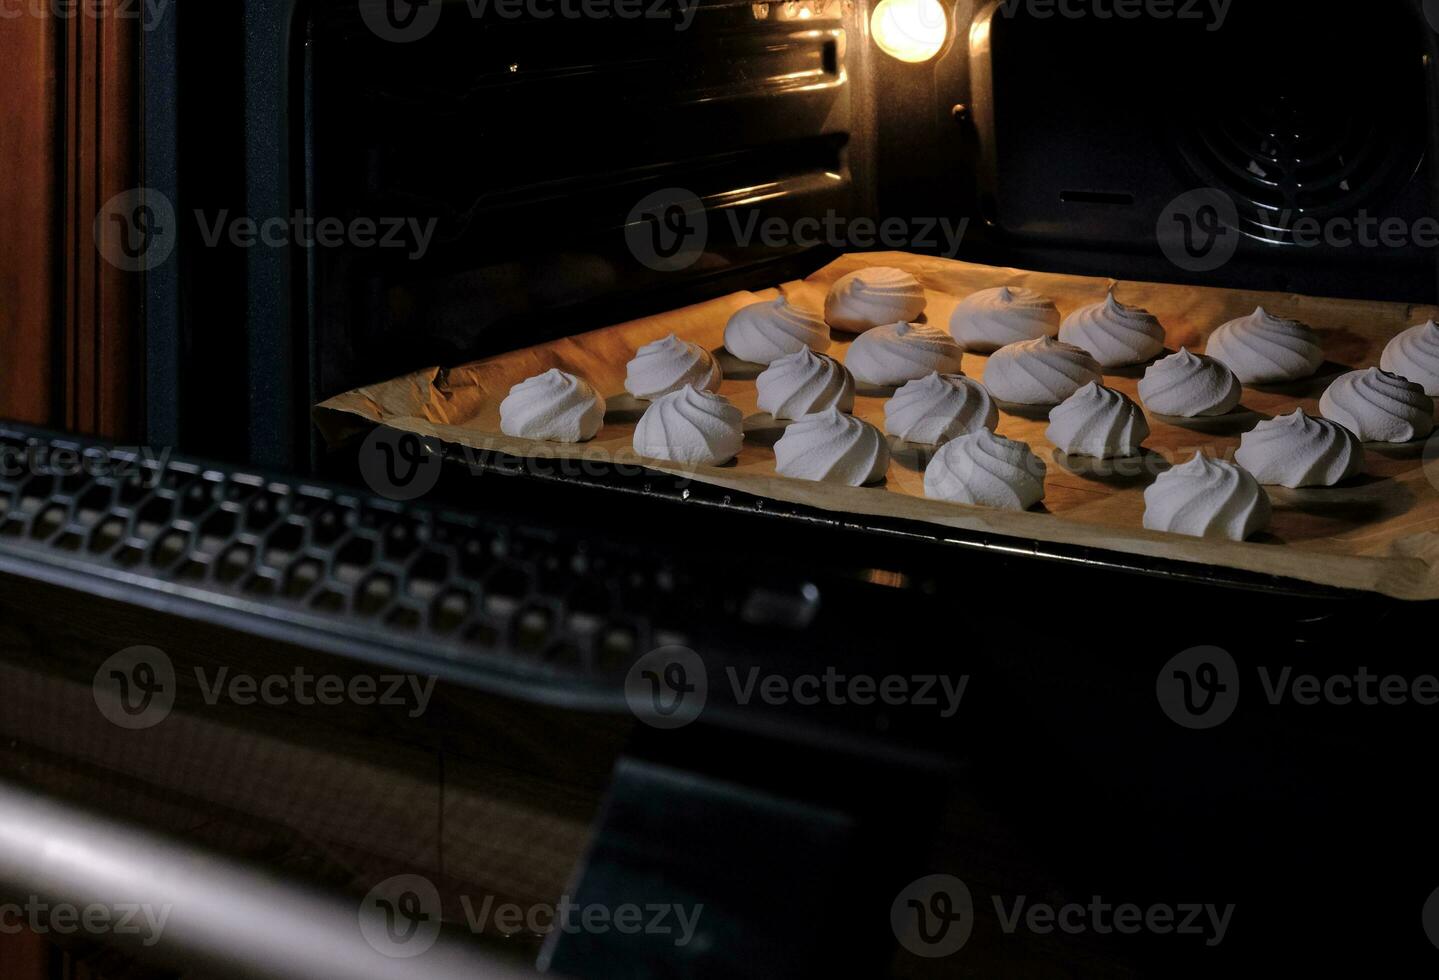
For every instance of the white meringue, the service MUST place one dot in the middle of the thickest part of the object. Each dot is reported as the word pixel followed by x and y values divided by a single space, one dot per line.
pixel 991 318
pixel 1097 421
pixel 1114 334
pixel 555 406
pixel 1298 450
pixel 1206 498
pixel 803 383
pixel 985 469
pixel 1262 348
pixel 872 297
pixel 1414 356
pixel 690 426
pixel 833 447
pixel 763 331
pixel 937 407
pixel 1189 386
pixel 669 364
pixel 1043 371
pixel 1378 406
pixel 900 352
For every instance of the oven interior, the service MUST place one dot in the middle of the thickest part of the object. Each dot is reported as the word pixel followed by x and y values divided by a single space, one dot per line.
pixel 1057 140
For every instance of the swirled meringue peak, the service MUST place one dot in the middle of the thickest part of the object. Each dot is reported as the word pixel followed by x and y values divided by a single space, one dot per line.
pixel 803 383
pixel 1378 406
pixel 1298 450
pixel 872 297
pixel 763 331
pixel 1189 386
pixel 1414 356
pixel 987 470
pixel 554 405
pixel 833 447
pixel 1114 334
pixel 1043 371
pixel 900 352
pixel 991 318
pixel 669 364
pixel 937 407
pixel 1262 348
pixel 1097 421
pixel 690 426
pixel 1206 498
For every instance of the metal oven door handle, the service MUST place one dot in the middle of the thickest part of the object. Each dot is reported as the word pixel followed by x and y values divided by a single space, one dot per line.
pixel 218 917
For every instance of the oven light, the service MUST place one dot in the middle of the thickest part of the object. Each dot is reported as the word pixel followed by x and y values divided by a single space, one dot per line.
pixel 910 30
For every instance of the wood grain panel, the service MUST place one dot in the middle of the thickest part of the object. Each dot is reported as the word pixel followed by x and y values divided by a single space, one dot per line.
pixel 69 321
pixel 29 251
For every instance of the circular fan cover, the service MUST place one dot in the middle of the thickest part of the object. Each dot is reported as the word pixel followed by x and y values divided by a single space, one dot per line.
pixel 1319 124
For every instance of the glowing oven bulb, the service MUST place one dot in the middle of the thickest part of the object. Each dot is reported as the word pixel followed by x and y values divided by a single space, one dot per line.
pixel 910 30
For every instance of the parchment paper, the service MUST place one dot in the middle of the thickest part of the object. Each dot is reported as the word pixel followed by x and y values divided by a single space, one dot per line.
pixel 1378 533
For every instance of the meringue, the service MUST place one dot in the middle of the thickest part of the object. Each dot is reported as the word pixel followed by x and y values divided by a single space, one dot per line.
pixel 900 352
pixel 985 469
pixel 803 383
pixel 668 365
pixel 1114 334
pixel 1097 421
pixel 1298 450
pixel 833 447
pixel 1414 356
pixel 873 297
pixel 937 407
pixel 991 318
pixel 763 331
pixel 1189 386
pixel 1043 371
pixel 690 426
pixel 1378 406
pixel 555 406
pixel 1262 348
pixel 1207 498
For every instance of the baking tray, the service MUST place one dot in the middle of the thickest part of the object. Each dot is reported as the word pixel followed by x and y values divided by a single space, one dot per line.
pixel 1379 533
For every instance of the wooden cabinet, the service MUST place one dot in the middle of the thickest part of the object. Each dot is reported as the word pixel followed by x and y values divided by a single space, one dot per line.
pixel 70 339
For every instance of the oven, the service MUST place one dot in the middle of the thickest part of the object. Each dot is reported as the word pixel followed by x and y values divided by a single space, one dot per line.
pixel 506 161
